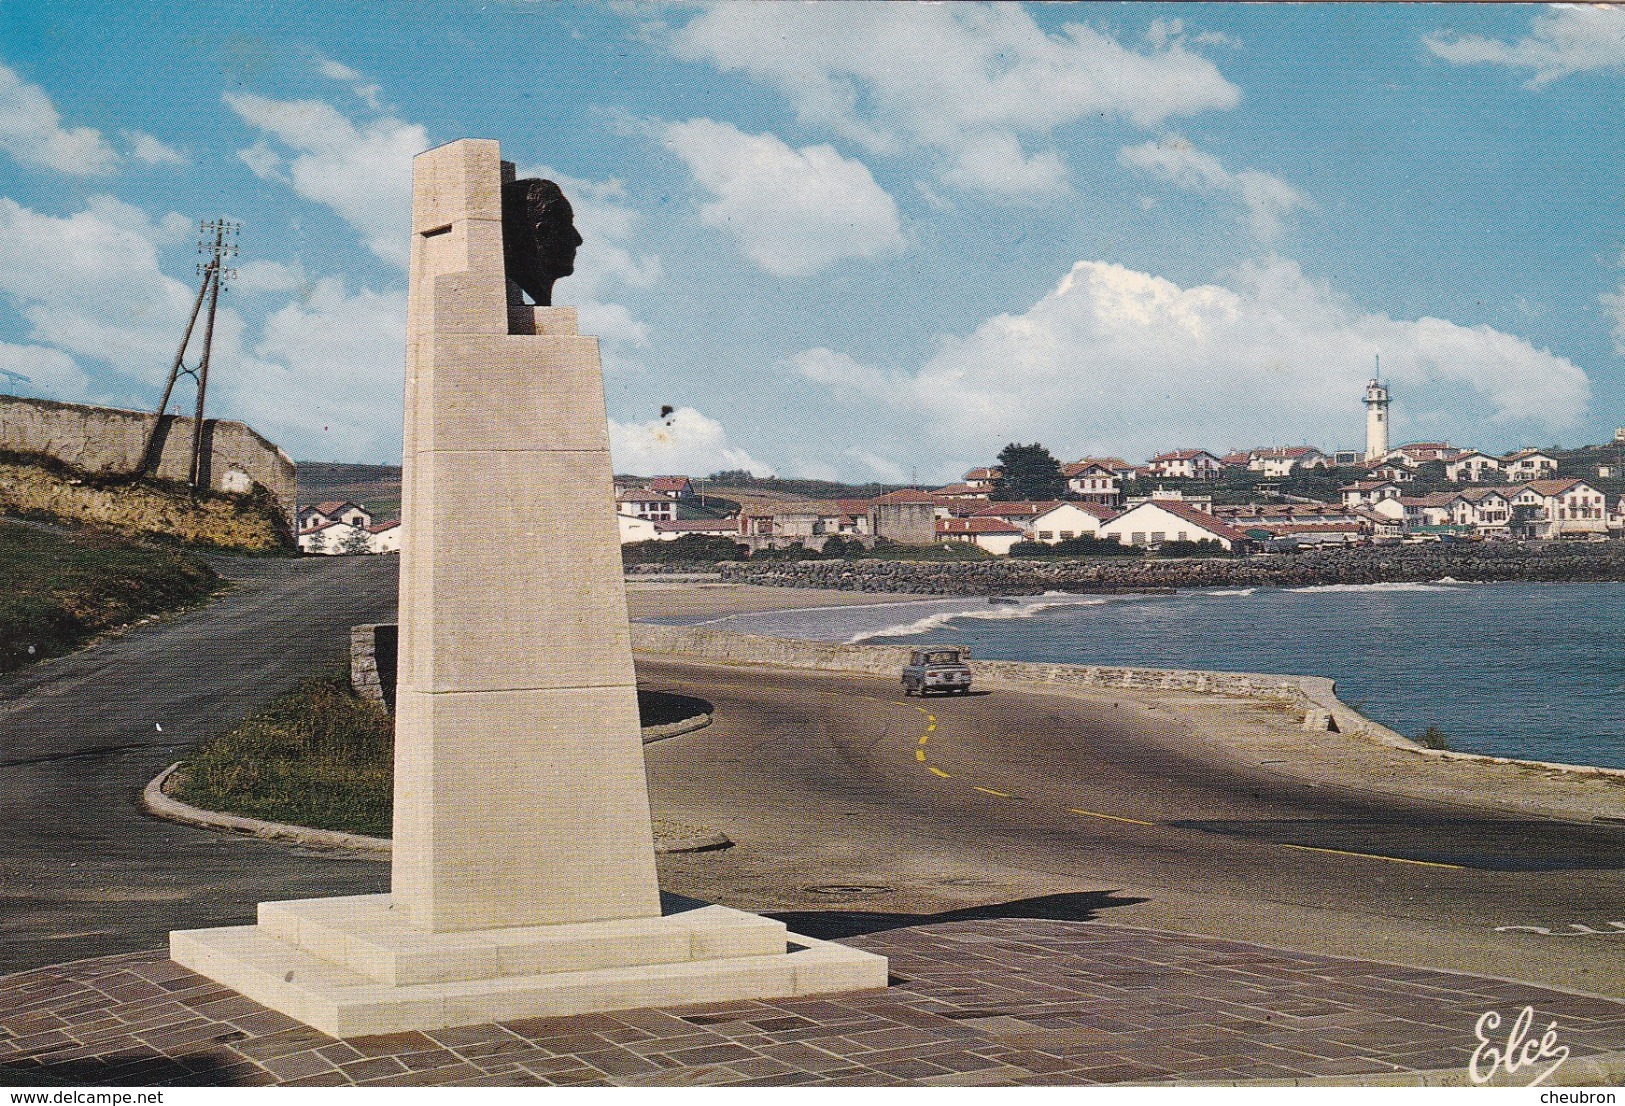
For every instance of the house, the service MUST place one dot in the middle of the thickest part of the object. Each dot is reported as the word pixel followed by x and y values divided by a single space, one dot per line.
pixel 1365 493
pixel 857 510
pixel 1285 460
pixel 1190 464
pixel 992 534
pixel 1488 511
pixel 983 477
pixel 337 510
pixel 709 527
pixel 672 487
pixel 635 528
pixel 1068 520
pixel 1390 470
pixel 964 492
pixel 1176 495
pixel 384 538
pixel 1345 457
pixel 778 524
pixel 1472 467
pixel 643 503
pixel 1157 521
pixel 1097 479
pixel 1550 509
pixel 1529 464
pixel 1419 453
pixel 333 538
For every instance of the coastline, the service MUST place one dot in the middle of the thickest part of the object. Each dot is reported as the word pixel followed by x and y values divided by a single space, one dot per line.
pixel 1359 752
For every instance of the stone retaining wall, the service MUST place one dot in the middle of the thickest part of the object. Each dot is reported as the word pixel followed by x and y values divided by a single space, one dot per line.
pixel 108 441
pixel 1490 561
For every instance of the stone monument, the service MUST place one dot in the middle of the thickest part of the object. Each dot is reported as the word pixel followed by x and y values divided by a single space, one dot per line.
pixel 523 875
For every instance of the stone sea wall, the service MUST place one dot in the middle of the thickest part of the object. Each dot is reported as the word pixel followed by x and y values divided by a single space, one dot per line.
pixel 1500 561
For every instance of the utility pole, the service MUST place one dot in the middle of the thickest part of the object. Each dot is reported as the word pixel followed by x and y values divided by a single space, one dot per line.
pixel 218 244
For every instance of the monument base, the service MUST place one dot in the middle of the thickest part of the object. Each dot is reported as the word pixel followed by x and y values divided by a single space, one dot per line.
pixel 351 967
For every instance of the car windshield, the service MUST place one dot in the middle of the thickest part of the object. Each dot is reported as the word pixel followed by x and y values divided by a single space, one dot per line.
pixel 942 656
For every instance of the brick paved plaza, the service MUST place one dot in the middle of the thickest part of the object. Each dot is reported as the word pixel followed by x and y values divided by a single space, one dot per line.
pixel 996 1002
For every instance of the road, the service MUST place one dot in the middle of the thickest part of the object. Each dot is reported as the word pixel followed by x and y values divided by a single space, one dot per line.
pixel 844 796
pixel 851 807
pixel 83 871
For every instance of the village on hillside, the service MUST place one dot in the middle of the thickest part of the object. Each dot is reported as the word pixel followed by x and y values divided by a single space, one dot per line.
pixel 1181 501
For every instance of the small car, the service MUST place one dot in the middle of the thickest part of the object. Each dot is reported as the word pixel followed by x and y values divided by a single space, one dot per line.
pixel 937 668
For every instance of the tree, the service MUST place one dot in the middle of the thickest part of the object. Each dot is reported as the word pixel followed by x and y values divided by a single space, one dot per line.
pixel 1027 472
pixel 357 541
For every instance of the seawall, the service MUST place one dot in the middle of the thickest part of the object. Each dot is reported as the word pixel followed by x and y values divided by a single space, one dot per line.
pixel 1479 562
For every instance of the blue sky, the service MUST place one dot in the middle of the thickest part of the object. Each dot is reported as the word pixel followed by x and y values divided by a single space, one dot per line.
pixel 852 241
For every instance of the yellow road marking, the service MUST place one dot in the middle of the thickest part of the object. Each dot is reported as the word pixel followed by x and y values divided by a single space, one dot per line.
pixel 1372 856
pixel 990 791
pixel 919 755
pixel 1109 817
pixel 931 728
pixel 940 772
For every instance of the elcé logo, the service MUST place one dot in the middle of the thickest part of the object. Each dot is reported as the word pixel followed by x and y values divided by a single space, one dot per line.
pixel 1520 1051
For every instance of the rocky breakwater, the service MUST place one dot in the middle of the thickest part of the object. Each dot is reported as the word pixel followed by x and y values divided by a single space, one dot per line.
pixel 1477 563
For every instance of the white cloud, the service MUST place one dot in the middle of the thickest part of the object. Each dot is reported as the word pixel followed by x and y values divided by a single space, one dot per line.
pixel 1268 199
pixel 324 380
pixel 1562 41
pixel 144 147
pixel 31 131
pixel 792 212
pixel 962 80
pixel 1128 363
pixel 363 173
pixel 42 372
pixel 337 71
pixel 684 442
pixel 89 283
pixel 849 379
pixel 1616 308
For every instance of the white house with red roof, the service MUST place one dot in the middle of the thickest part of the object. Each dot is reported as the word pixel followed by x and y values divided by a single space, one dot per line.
pixel 1567 508
pixel 635 528
pixel 1097 479
pixel 1529 464
pixel 1066 520
pixel 964 492
pixel 1158 521
pixel 992 534
pixel 983 477
pixel 1279 461
pixel 1190 464
pixel 1472 466
pixel 672 487
pixel 384 537
pixel 334 510
pixel 643 503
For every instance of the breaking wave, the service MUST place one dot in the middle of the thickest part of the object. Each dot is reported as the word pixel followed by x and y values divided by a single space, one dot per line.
pixel 1328 588
pixel 993 612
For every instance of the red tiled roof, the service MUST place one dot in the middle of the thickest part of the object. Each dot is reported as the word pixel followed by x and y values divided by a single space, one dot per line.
pixel 1555 487
pixel 984 474
pixel 976 525
pixel 670 483
pixel 1193 516
pixel 332 506
pixel 907 495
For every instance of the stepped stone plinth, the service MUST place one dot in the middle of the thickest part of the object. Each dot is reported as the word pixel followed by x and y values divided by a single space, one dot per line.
pixel 523 880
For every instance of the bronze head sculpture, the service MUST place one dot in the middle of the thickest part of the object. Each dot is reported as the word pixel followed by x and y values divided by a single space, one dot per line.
pixel 539 238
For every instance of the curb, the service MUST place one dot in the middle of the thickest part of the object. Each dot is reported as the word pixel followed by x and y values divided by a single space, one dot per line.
pixel 157 803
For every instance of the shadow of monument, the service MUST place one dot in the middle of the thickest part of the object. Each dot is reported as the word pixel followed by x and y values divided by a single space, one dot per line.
pixel 832 925
pixel 140 1071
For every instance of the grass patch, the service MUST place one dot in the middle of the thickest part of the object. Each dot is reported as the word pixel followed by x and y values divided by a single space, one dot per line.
pixel 319 756
pixel 57 590
pixel 323 757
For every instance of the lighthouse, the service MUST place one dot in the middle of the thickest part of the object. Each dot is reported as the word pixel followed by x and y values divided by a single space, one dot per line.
pixel 1376 419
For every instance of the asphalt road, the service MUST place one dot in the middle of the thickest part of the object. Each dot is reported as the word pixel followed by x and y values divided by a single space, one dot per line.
pixel 852 809
pixel 83 871
pixel 844 796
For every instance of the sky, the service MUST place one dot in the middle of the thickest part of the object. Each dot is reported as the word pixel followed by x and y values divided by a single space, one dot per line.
pixel 850 241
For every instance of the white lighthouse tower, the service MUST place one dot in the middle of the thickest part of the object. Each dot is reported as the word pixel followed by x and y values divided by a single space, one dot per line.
pixel 1376 419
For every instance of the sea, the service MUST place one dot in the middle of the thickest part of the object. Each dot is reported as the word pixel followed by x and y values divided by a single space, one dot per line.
pixel 1533 671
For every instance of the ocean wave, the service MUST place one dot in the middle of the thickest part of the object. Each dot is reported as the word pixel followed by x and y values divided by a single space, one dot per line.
pixel 1230 591
pixel 992 612
pixel 1317 588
